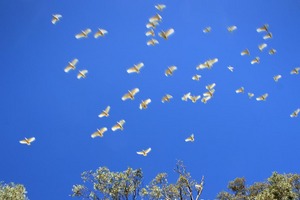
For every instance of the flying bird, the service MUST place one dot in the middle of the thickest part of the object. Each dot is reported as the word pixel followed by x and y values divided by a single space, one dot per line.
pixel 144 152
pixel 205 99
pixel 130 94
pixel 166 34
pixel 196 77
pixel 209 93
pixel 71 65
pixel 167 98
pixel 56 18
pixel 240 90
pixel 207 29
pixel 262 97
pixel 155 18
pixel 230 68
pixel 119 125
pixel 295 70
pixel 99 133
pixel 152 24
pixel 262 46
pixel 210 86
pixel 263 28
pixel 83 34
pixel 256 60
pixel 105 113
pixel 136 68
pixel 150 32
pixel 295 113
pixel 207 64
pixel 250 95
pixel 160 7
pixel 245 52
pixel 152 42
pixel 186 96
pixel 190 139
pixel 268 36
pixel 272 51
pixel 100 32
pixel 27 141
pixel 170 70
pixel 82 74
pixel 277 77
pixel 231 28
pixel 194 99
pixel 144 104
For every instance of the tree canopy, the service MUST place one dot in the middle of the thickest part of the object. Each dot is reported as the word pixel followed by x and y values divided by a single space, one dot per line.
pixel 104 184
pixel 12 191
pixel 277 187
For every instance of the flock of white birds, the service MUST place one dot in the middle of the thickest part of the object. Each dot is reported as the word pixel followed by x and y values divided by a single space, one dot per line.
pixel 136 68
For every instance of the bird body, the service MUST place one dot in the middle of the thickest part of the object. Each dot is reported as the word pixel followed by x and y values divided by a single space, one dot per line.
pixel 194 99
pixel 155 18
pixel 268 36
pixel 100 32
pixel 27 141
pixel 144 104
pixel 119 125
pixel 263 28
pixel 231 28
pixel 272 51
pixel 230 68
pixel 262 46
pixel 262 97
pixel 256 60
pixel 152 42
pixel 150 32
pixel 99 133
pixel 160 7
pixel 245 52
pixel 83 34
pixel 130 94
pixel 186 96
pixel 144 152
pixel 170 70
pixel 295 113
pixel 136 68
pixel 82 74
pixel 295 70
pixel 167 98
pixel 56 18
pixel 71 65
pixel 167 33
pixel 196 77
pixel 240 90
pixel 250 95
pixel 207 29
pixel 277 77
pixel 210 86
pixel 105 113
pixel 190 139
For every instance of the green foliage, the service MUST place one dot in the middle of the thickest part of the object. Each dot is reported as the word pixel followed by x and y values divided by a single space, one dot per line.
pixel 127 185
pixel 12 191
pixel 277 187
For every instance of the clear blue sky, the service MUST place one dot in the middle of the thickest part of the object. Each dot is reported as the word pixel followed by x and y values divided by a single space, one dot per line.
pixel 234 135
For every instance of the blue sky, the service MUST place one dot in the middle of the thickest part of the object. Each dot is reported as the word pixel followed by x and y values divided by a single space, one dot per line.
pixel 234 135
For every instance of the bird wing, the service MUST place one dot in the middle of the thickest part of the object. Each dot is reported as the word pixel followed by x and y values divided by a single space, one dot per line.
pixel 134 91
pixel 31 139
pixel 23 141
pixel 147 150
pixel 131 70
pixel 169 32
pixel 125 96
